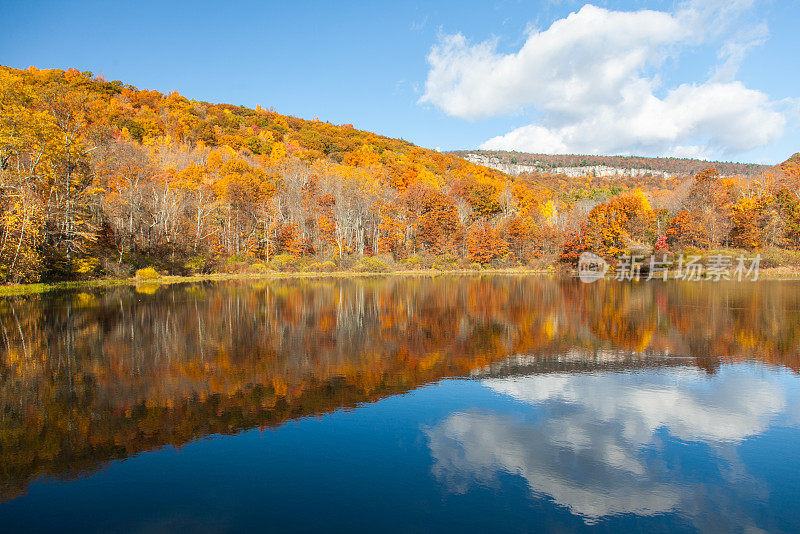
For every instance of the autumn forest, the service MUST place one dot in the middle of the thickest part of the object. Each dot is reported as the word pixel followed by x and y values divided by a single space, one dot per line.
pixel 99 179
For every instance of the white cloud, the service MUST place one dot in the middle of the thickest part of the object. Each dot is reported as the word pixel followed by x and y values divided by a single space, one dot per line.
pixel 419 25
pixel 734 50
pixel 593 76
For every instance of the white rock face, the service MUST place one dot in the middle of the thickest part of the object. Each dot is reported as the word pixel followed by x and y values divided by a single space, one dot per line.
pixel 573 172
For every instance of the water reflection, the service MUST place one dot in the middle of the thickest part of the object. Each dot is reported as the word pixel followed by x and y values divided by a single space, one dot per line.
pixel 732 407
pixel 89 377
pixel 598 443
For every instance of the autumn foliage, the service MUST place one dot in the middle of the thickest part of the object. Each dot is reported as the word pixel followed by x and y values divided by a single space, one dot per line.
pixel 486 244
pixel 99 178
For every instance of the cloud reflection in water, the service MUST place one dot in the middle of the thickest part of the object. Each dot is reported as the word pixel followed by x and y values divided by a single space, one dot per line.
pixel 596 443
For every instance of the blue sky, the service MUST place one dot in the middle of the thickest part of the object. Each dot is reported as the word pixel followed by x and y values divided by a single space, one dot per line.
pixel 724 82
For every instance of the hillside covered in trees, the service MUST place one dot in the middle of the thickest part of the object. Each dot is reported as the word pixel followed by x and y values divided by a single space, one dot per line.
pixel 99 178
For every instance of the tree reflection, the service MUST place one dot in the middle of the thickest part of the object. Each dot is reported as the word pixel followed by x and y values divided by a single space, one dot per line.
pixel 88 377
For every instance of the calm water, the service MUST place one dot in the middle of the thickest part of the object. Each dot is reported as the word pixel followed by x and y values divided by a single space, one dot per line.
pixel 403 404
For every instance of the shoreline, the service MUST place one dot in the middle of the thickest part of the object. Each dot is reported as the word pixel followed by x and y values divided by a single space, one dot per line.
pixel 38 288
pixel 772 273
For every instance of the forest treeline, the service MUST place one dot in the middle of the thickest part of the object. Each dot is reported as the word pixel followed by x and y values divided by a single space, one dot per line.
pixel 98 178
pixel 87 377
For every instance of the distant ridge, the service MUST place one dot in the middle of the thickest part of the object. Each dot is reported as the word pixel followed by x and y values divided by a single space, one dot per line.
pixel 574 165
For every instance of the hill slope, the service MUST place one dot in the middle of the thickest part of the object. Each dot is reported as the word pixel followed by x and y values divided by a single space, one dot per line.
pixel 92 167
pixel 100 178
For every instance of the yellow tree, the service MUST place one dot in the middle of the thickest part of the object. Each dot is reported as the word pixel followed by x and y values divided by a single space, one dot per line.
pixel 620 223
pixel 26 140
pixel 68 110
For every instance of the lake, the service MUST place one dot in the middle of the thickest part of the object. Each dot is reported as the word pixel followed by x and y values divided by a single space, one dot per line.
pixel 403 404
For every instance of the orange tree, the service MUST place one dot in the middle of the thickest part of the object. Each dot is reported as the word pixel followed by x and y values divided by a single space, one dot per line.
pixel 435 217
pixel 620 222
pixel 485 243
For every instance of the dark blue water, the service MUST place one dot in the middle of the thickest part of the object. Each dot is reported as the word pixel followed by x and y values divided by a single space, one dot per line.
pixel 421 415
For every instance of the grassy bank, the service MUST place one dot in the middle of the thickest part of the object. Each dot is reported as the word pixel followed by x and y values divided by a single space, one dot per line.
pixel 30 289
pixel 768 273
